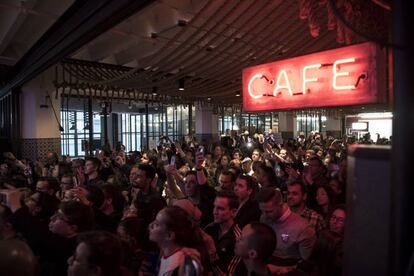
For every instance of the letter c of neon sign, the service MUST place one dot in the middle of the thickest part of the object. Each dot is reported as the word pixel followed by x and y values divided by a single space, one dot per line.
pixel 257 76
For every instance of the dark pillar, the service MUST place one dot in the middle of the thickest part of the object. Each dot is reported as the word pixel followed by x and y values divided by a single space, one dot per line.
pixel 249 126
pixel 271 120
pixel 190 119
pixel 166 120
pixel 402 140
pixel 90 122
pixel 222 120
pixel 115 129
pixel 232 118
pixel 146 127
pixel 10 122
pixel 105 127
pixel 105 123
pixel 16 121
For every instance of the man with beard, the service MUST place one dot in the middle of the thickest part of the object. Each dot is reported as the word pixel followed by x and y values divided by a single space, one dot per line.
pixel 295 237
pixel 296 200
pixel 145 198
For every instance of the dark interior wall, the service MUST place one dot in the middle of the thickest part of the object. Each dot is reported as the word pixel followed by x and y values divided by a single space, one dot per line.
pixel 10 134
pixel 4 71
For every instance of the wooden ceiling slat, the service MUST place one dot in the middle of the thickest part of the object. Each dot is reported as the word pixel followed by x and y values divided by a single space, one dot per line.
pixel 201 62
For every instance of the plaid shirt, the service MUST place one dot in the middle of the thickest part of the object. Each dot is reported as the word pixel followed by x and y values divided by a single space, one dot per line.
pixel 315 220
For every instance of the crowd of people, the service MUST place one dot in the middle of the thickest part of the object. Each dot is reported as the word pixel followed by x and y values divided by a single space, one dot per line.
pixel 245 206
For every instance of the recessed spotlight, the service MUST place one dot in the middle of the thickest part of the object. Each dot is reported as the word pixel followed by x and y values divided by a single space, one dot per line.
pixel 181 84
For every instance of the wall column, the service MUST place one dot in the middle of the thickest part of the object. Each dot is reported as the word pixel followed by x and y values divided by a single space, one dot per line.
pixel 40 130
pixel 206 124
pixel 286 125
pixel 333 127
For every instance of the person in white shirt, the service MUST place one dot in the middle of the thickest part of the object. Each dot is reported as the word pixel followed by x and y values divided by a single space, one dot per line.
pixel 176 236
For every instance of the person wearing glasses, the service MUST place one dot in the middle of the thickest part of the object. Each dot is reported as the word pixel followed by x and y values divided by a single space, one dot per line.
pixel 337 220
pixel 71 219
pixel 327 255
pixel 97 253
pixel 66 184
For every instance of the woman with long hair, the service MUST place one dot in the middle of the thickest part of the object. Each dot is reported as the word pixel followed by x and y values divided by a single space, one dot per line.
pixel 140 254
pixel 326 258
pixel 325 199
pixel 177 237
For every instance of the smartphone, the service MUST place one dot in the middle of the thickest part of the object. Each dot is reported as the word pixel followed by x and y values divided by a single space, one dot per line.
pixel 172 161
pixel 191 266
pixel 201 149
pixel 75 182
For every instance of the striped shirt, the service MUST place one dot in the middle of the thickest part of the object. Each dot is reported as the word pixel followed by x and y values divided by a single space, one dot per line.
pixel 227 261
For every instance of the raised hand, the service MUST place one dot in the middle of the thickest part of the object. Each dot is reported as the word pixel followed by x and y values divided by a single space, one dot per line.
pixel 171 169
pixel 200 160
pixel 267 148
pixel 80 175
pixel 80 194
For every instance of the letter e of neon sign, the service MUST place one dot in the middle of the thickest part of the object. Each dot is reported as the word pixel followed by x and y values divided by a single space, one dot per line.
pixel 337 74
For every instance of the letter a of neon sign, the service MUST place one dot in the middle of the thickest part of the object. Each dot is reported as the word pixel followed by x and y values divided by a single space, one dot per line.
pixel 285 86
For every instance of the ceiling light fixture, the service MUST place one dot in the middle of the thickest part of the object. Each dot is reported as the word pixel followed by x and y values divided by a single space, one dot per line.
pixel 181 84
pixel 154 91
pixel 45 105
pixel 180 23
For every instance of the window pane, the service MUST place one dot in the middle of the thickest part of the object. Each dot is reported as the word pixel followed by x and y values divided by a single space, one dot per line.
pixel 75 132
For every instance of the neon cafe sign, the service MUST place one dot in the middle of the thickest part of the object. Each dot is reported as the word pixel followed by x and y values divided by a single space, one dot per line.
pixel 352 75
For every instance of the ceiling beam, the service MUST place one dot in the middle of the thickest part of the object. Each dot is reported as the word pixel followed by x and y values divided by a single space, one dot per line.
pixel 81 23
